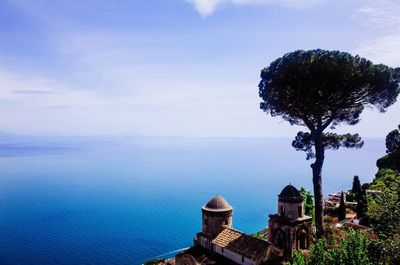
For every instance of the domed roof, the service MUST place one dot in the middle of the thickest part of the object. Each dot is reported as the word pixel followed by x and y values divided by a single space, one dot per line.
pixel 290 194
pixel 217 204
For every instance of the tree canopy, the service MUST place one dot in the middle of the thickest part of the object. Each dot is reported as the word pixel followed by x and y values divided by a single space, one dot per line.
pixel 392 159
pixel 342 208
pixel 322 89
pixel 356 188
pixel 393 141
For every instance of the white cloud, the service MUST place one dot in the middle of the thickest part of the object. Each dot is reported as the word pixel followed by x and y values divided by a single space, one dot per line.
pixel 207 7
pixel 382 16
pixel 385 50
pixel 381 13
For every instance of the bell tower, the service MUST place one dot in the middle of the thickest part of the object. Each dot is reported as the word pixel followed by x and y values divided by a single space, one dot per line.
pixel 290 229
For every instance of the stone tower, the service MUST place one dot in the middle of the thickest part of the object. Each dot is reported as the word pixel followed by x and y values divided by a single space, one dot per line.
pixel 290 229
pixel 217 215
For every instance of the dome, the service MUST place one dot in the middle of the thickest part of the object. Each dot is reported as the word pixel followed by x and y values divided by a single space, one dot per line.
pixel 290 194
pixel 217 204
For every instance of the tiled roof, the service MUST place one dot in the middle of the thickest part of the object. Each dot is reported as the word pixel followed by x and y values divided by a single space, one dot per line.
pixel 242 244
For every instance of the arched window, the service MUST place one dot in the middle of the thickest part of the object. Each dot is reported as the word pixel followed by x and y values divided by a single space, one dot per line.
pixel 302 239
pixel 279 237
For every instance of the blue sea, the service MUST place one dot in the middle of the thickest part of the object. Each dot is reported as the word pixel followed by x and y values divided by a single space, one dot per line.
pixel 130 199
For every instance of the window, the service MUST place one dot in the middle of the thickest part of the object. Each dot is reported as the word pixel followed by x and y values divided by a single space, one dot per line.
pixel 242 259
pixel 222 249
pixel 226 222
pixel 300 211
pixel 302 238
pixel 205 221
pixel 279 238
pixel 282 212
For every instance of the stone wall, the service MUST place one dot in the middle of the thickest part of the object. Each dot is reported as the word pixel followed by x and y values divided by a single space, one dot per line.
pixel 291 210
pixel 233 256
pixel 214 222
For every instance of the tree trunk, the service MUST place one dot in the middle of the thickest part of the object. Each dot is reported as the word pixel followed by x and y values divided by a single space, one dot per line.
pixel 317 183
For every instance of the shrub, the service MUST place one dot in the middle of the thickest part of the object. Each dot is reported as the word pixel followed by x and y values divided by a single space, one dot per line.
pixel 351 249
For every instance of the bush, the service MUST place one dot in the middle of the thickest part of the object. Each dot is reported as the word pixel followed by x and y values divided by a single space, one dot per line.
pixel 384 216
pixel 351 249
pixel 308 202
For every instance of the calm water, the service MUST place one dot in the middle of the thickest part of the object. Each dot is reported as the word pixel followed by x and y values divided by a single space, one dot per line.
pixel 126 201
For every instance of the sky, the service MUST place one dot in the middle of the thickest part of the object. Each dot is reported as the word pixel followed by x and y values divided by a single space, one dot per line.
pixel 173 67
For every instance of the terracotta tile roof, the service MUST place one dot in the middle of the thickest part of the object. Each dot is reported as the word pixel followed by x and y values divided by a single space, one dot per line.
pixel 242 244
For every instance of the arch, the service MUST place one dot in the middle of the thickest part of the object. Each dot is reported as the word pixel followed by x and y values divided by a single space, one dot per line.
pixel 279 238
pixel 302 242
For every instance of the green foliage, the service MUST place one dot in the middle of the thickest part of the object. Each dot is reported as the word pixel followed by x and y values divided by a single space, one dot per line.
pixel 304 141
pixel 384 172
pixel 342 208
pixel 385 251
pixel 312 87
pixel 393 141
pixel 329 220
pixel 308 201
pixel 386 180
pixel 319 254
pixel 352 249
pixel 320 89
pixel 384 213
pixel 356 189
pixel 298 259
pixel 392 159
pixel 362 204
pixel 384 216
pixel 355 248
pixel 351 197
pixel 261 234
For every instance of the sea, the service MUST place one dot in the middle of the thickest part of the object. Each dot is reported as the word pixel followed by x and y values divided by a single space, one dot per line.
pixel 126 200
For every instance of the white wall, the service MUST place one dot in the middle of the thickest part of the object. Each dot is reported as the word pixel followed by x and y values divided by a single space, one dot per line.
pixel 233 256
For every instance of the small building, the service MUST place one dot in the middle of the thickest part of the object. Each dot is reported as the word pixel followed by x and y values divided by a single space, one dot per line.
pixel 333 199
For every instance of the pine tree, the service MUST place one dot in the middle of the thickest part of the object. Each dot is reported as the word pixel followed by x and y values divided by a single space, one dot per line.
pixel 362 204
pixel 356 187
pixel 342 208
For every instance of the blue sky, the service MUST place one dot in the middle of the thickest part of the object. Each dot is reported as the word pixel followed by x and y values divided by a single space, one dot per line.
pixel 173 67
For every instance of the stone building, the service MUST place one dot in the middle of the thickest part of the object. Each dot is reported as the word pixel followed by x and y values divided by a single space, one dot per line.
pixel 216 215
pixel 220 243
pixel 290 229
